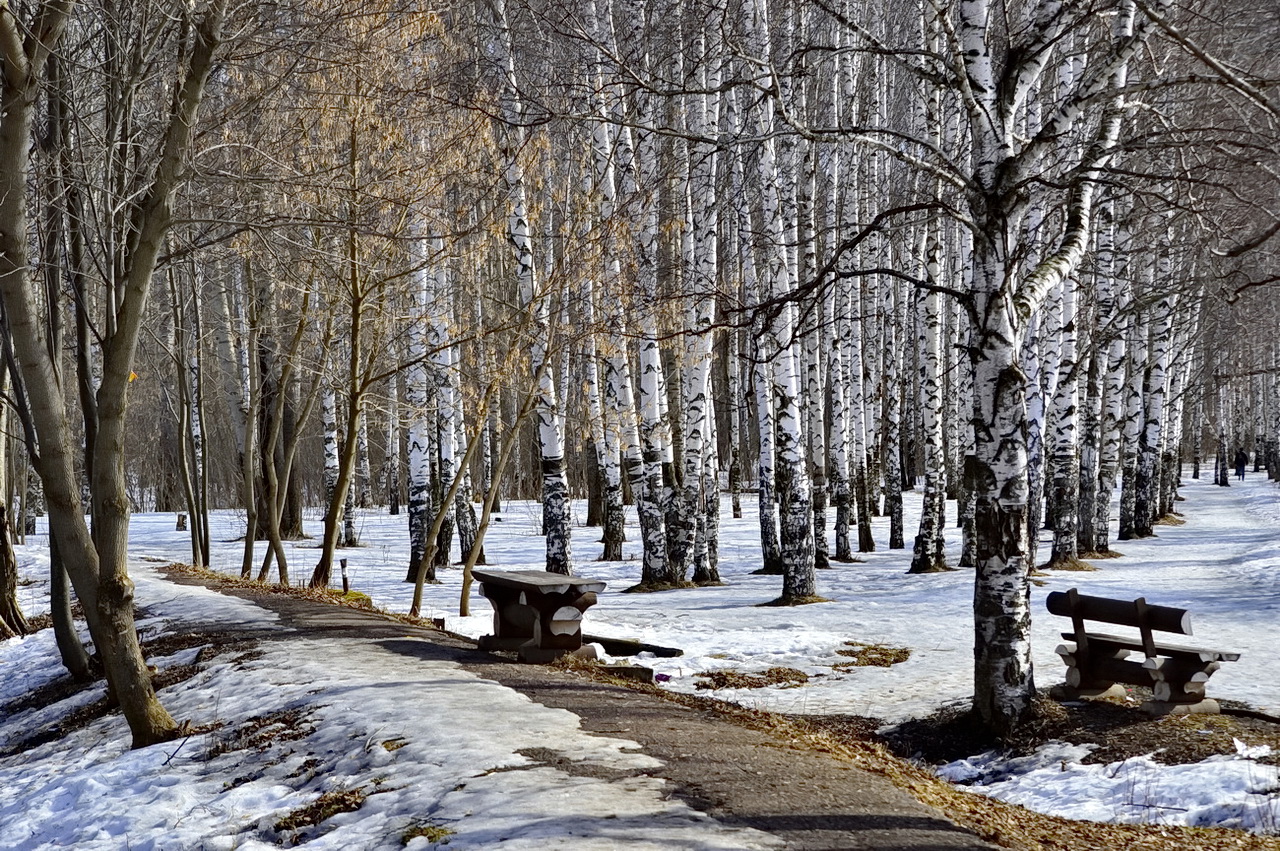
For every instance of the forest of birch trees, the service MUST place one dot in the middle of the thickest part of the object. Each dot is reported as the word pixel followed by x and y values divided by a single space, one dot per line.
pixel 792 258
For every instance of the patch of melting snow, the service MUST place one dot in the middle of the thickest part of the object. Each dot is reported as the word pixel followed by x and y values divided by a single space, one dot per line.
pixel 1222 565
pixel 1227 790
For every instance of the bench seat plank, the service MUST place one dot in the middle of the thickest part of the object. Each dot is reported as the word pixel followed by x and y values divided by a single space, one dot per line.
pixel 1204 654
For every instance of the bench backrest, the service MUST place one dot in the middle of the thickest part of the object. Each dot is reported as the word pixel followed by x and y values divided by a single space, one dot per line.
pixel 1083 607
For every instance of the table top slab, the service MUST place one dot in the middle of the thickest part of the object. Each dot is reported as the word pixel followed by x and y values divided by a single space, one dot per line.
pixel 538 580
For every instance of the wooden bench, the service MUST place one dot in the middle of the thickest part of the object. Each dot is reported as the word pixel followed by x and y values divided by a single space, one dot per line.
pixel 535 612
pixel 1097 662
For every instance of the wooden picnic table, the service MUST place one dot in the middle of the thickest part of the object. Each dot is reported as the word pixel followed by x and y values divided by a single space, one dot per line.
pixel 535 612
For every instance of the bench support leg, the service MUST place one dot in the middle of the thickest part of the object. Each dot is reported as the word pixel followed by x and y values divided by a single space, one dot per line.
pixel 1115 691
pixel 1158 708
pixel 513 619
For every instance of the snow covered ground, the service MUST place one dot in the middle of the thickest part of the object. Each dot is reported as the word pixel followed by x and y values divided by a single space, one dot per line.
pixel 1222 565
pixel 437 747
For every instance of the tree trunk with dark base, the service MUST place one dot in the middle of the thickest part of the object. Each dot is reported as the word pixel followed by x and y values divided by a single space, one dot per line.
pixel 70 650
pixel 1003 682
pixel 11 620
pixel 96 563
pixel 929 554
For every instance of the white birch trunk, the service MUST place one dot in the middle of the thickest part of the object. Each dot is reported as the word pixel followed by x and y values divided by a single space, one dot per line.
pixel 230 345
pixel 859 399
pixel 1132 424
pixel 1065 439
pixel 196 422
pixel 1110 307
pixel 350 537
pixel 892 369
pixel 417 397
pixel 464 502
pixel 329 425
pixel 555 490
pixel 733 381
pixel 603 439
pixel 443 377
pixel 391 459
pixel 968 537
pixel 1171 458
pixel 640 181
pixel 794 492
pixel 364 469
pixel 704 121
pixel 1003 683
pixel 838 377
pixel 928 555
pixel 805 242
pixel 1091 396
pixel 771 556
pixel 837 327
pixel 1033 363
pixel 620 435
pixel 1147 483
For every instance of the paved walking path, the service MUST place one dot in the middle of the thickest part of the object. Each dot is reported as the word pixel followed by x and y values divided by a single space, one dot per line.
pixel 742 777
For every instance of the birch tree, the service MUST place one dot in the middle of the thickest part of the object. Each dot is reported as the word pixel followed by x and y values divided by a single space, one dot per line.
pixel 555 489
pixel 701 485
pixel 928 555
pixel 796 546
pixel 417 398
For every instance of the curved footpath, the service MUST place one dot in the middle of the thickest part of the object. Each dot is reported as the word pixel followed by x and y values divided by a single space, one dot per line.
pixel 741 777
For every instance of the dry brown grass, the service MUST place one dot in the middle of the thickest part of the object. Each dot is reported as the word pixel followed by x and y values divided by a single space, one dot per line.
pixel 325 807
pixel 787 677
pixel 1010 826
pixel 794 601
pixel 351 600
pixel 863 655
pixel 262 731
pixel 1073 563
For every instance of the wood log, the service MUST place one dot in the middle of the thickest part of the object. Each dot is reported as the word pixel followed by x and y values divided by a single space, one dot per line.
pixel 1156 708
pixel 566 620
pixel 1180 670
pixel 1125 612
pixel 631 647
pixel 1168 692
pixel 1100 672
pixel 1072 657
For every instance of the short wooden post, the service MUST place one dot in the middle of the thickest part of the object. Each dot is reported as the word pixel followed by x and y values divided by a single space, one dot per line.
pixel 346 584
pixel 1144 625
pixel 182 522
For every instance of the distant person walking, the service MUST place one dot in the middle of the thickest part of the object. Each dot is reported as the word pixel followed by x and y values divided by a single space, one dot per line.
pixel 1242 460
